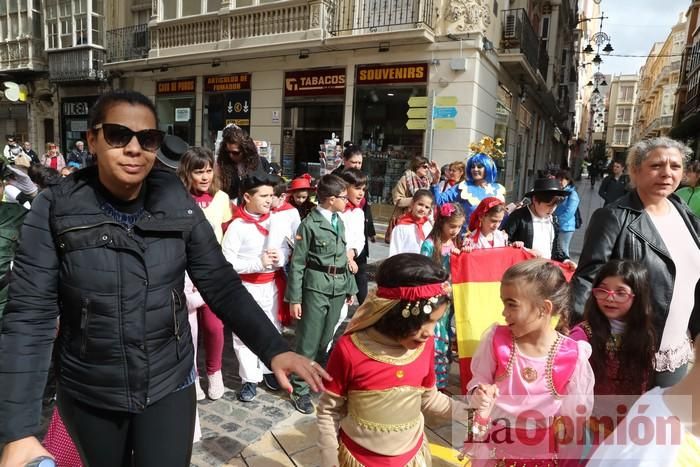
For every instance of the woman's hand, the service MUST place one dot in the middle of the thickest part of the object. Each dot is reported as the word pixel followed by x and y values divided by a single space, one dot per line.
pixel 434 171
pixel 295 310
pixel 570 264
pixel 289 362
pixel 21 452
pixel 518 244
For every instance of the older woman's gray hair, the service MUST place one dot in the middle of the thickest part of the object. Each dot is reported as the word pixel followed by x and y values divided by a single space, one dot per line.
pixel 641 149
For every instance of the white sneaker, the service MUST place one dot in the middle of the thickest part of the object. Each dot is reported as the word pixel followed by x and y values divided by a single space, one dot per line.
pixel 200 392
pixel 216 386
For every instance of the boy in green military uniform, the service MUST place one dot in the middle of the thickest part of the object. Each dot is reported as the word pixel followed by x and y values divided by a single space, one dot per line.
pixel 319 280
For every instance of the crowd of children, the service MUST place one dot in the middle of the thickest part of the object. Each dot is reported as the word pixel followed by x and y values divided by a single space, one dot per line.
pixel 297 250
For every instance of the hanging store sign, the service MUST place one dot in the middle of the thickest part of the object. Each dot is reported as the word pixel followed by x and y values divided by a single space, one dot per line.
pixel 179 86
pixel 326 82
pixel 226 83
pixel 396 73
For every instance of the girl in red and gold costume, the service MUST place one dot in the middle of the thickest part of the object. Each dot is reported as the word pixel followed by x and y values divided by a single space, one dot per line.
pixel 383 373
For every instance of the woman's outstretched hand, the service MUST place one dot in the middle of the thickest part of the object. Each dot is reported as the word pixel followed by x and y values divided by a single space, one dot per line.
pixel 289 362
pixel 21 452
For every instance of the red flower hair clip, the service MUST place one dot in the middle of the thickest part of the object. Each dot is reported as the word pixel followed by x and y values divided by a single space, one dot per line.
pixel 447 209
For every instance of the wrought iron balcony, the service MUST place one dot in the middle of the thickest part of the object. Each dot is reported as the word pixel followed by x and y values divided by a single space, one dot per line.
pixel 519 38
pixel 22 54
pixel 76 64
pixel 370 16
pixel 129 43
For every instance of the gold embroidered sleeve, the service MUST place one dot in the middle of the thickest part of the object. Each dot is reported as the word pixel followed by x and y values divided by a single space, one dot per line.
pixel 331 409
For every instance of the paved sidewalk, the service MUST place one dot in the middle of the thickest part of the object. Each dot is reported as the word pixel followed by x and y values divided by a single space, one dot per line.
pixel 590 201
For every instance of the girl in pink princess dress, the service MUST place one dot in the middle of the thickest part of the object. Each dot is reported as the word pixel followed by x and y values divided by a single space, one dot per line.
pixel 529 380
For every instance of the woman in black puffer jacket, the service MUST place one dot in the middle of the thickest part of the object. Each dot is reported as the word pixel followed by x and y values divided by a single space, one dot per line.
pixel 106 252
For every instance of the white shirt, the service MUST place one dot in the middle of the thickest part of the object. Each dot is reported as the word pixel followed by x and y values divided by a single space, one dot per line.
pixel 686 257
pixel 243 245
pixel 404 238
pixel 542 235
pixel 326 213
pixel 354 222
pixel 290 219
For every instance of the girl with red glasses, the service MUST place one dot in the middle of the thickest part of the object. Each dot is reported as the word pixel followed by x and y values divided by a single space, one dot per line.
pixel 617 324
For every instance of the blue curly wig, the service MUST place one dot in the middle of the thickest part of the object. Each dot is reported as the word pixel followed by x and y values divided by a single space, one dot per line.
pixel 490 169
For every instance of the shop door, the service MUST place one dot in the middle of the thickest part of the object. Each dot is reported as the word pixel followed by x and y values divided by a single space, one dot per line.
pixel 306 126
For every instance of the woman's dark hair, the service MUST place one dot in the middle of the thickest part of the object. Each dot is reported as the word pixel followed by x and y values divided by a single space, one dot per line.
pixel 636 355
pixel 350 150
pixel 436 234
pixel 564 175
pixel 543 281
pixel 417 162
pixel 354 177
pixel 406 270
pixel 98 112
pixel 329 185
pixel 227 168
pixel 422 194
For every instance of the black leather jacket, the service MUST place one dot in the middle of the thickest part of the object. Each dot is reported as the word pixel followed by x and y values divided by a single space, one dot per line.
pixel 518 226
pixel 623 229
pixel 124 340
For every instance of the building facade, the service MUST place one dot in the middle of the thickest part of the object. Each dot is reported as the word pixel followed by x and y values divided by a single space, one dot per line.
pixel 659 80
pixel 298 74
pixel 621 114
pixel 686 118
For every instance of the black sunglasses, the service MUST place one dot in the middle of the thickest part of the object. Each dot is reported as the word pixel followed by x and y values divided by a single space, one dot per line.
pixel 119 136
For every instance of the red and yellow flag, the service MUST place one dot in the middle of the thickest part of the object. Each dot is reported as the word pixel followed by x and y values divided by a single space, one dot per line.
pixel 476 291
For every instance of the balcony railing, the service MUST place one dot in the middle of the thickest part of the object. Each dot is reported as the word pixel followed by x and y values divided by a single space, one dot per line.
pixel 76 64
pixel 368 16
pixel 129 43
pixel 21 54
pixel 518 34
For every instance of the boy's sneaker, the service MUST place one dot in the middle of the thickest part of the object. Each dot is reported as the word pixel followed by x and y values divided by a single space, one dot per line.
pixel 216 386
pixel 271 382
pixel 200 392
pixel 303 403
pixel 248 392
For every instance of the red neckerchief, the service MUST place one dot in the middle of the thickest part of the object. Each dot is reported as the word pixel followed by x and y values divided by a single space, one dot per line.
pixel 349 206
pixel 241 213
pixel 451 182
pixel 285 206
pixel 408 219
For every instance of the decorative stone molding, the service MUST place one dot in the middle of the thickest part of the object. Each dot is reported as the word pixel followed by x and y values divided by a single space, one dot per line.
pixel 469 15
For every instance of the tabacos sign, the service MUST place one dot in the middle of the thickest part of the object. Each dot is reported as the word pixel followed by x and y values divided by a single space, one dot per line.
pixel 394 73
pixel 323 82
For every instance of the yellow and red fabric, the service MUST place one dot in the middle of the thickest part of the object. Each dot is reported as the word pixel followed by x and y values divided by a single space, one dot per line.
pixel 476 291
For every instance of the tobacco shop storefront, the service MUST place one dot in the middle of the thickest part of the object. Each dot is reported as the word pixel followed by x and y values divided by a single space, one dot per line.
pixel 313 111
pixel 226 100
pixel 379 125
pixel 175 103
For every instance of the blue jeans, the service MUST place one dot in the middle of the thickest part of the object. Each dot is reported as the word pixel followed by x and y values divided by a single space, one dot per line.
pixel 565 241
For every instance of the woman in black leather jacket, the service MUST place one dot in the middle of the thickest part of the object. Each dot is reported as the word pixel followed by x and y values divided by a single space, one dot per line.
pixel 106 252
pixel 653 226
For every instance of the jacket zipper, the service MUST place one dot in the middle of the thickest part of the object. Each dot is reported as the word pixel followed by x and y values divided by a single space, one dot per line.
pixel 84 227
pixel 84 321
pixel 176 324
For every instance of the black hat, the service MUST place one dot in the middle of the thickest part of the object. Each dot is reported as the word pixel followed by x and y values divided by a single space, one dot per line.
pixel 547 186
pixel 171 150
pixel 257 178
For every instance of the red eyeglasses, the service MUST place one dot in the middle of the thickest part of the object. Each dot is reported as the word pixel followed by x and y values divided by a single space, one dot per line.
pixel 619 296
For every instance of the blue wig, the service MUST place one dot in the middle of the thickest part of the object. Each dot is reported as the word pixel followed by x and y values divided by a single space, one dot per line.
pixel 490 169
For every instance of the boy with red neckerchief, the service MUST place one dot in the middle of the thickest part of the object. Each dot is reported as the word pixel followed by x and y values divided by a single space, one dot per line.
pixel 258 257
